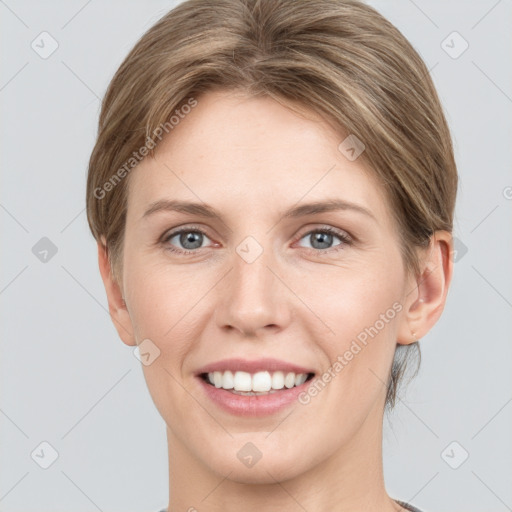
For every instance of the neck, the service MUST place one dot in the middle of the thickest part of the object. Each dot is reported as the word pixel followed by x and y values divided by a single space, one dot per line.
pixel 350 480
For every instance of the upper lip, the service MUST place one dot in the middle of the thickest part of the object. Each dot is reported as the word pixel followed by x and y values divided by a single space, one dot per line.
pixel 257 365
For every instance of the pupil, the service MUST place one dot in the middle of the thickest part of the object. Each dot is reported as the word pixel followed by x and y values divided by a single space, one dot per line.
pixel 191 237
pixel 321 238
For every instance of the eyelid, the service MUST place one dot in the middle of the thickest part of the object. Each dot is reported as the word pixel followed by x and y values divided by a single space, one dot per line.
pixel 326 228
pixel 170 233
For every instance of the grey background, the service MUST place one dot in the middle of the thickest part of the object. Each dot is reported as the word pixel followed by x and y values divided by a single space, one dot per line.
pixel 68 380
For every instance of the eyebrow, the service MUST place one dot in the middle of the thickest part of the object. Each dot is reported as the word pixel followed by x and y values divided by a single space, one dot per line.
pixel 302 210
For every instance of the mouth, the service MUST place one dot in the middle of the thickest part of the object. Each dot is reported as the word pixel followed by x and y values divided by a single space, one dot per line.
pixel 255 384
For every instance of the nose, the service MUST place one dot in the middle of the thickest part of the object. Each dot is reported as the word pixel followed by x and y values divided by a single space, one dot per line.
pixel 253 300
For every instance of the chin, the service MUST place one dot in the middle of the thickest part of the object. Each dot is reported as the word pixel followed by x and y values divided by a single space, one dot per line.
pixel 263 472
pixel 245 463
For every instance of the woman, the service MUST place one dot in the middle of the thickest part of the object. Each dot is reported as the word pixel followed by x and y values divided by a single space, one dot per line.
pixel 272 192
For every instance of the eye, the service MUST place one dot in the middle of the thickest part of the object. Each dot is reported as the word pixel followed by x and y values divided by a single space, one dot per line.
pixel 190 239
pixel 321 239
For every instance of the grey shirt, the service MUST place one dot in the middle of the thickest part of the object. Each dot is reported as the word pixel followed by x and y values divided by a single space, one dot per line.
pixel 408 506
pixel 402 503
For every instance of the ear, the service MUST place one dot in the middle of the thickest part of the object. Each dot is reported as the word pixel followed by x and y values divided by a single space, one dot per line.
pixel 116 305
pixel 424 301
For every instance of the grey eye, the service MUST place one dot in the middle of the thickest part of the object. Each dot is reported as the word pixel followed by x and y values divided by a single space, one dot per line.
pixel 321 239
pixel 188 239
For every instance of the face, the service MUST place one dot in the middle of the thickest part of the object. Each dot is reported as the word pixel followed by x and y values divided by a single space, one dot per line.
pixel 266 276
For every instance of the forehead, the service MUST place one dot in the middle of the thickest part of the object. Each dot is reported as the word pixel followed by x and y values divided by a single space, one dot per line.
pixel 234 152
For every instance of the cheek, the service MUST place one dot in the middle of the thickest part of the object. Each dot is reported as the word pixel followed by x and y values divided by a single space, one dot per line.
pixel 362 310
pixel 167 301
pixel 165 307
pixel 350 301
pixel 162 297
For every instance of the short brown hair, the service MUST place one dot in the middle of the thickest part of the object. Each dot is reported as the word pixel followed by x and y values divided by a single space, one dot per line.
pixel 339 58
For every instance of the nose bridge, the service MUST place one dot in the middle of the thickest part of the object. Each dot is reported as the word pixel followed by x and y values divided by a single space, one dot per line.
pixel 254 296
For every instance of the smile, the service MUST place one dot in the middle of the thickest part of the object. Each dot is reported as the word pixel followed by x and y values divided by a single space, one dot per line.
pixel 259 383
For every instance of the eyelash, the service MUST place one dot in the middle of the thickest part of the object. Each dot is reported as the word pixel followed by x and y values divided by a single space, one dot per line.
pixel 328 230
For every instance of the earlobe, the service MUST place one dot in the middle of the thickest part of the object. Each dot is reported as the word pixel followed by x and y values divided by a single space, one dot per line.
pixel 116 304
pixel 425 302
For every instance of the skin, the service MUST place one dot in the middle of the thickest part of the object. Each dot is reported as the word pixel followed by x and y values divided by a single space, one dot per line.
pixel 251 159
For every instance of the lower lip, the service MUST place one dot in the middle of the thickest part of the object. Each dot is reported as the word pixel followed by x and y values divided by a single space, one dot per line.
pixel 256 405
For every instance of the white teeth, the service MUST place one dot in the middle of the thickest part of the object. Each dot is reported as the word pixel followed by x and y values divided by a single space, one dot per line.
pixel 242 381
pixel 289 380
pixel 260 382
pixel 228 380
pixel 277 380
pixel 300 379
pixel 217 379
